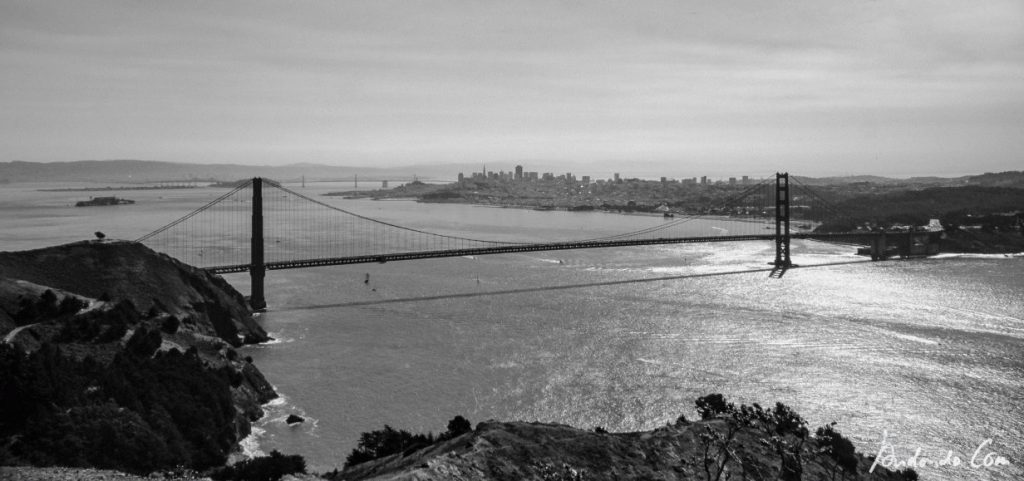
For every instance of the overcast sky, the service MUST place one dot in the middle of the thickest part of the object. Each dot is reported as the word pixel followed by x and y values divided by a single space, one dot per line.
pixel 683 87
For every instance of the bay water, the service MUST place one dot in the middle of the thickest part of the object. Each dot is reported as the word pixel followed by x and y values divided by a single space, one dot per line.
pixel 913 355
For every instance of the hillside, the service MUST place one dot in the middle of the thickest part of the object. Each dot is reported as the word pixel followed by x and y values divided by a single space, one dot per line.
pixel 127 270
pixel 728 442
pixel 951 205
pixel 114 356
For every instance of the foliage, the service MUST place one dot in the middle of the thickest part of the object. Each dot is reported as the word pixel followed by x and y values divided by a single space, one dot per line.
pixel 721 454
pixel 99 326
pixel 548 472
pixel 908 474
pixel 263 468
pixel 139 413
pixel 46 307
pixel 385 442
pixel 457 426
pixel 170 325
pixel 837 448
pixel 712 405
pixel 144 342
pixel 951 205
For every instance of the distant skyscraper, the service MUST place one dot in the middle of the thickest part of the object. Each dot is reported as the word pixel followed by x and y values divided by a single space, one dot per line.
pixel 519 172
pixel 703 180
pixel 732 181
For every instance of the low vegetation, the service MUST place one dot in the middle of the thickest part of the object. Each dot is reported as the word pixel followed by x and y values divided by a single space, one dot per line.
pixel 385 442
pixel 263 468
pixel 140 410
pixel 729 441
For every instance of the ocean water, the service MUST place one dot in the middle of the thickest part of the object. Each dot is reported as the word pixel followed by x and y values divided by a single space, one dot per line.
pixel 928 352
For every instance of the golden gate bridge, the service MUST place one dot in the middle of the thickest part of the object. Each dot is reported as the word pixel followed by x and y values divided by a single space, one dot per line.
pixel 262 225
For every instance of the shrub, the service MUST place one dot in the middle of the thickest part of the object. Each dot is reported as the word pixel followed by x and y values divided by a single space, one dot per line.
pixel 143 342
pixel 837 447
pixel 170 325
pixel 385 442
pixel 457 426
pixel 263 468
pixel 712 405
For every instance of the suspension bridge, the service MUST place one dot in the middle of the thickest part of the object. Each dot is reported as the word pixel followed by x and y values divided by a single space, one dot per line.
pixel 261 225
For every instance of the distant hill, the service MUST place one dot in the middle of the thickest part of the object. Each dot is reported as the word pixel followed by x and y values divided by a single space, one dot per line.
pixel 142 171
pixel 1001 179
pixel 130 171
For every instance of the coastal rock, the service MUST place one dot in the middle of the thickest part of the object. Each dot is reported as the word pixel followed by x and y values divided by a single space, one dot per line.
pixel 294 419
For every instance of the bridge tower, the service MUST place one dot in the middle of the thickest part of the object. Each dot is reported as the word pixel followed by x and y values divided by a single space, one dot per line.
pixel 782 259
pixel 257 269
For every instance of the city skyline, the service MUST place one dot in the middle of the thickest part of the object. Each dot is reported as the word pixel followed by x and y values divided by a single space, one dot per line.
pixel 819 88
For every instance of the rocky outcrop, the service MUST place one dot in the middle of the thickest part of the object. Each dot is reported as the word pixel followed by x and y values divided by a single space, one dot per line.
pixel 537 451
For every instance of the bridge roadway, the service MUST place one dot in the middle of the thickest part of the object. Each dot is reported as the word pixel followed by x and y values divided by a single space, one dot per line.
pixel 514 248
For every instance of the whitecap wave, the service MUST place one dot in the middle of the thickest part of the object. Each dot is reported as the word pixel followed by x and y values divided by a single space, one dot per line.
pixel 250 445
pixel 965 255
pixel 913 338
pixel 277 338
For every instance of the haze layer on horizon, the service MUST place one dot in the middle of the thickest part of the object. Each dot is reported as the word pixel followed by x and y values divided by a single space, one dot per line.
pixel 685 88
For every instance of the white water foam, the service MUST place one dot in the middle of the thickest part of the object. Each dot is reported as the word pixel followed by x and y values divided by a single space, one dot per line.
pixel 250 446
pixel 914 338
pixel 277 338
pixel 977 256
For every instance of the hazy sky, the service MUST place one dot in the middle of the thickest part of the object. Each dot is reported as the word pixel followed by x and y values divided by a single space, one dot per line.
pixel 684 87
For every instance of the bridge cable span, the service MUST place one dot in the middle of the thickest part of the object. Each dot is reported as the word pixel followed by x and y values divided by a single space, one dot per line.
pixel 200 210
pixel 277 185
pixel 300 229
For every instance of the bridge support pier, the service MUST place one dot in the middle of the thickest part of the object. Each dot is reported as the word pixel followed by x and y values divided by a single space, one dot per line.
pixel 878 247
pixel 782 259
pixel 257 269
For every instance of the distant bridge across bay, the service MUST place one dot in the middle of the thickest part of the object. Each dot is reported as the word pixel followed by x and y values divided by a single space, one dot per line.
pixel 285 229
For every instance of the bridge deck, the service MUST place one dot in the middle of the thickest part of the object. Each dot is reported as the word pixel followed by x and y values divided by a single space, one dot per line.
pixel 515 248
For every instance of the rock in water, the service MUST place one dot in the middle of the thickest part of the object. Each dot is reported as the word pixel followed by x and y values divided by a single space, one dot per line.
pixel 294 419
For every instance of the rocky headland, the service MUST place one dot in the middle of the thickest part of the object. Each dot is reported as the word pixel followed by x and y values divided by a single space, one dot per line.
pixel 115 356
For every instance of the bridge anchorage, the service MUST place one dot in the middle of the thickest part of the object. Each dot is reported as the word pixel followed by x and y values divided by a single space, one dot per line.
pixel 285 229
